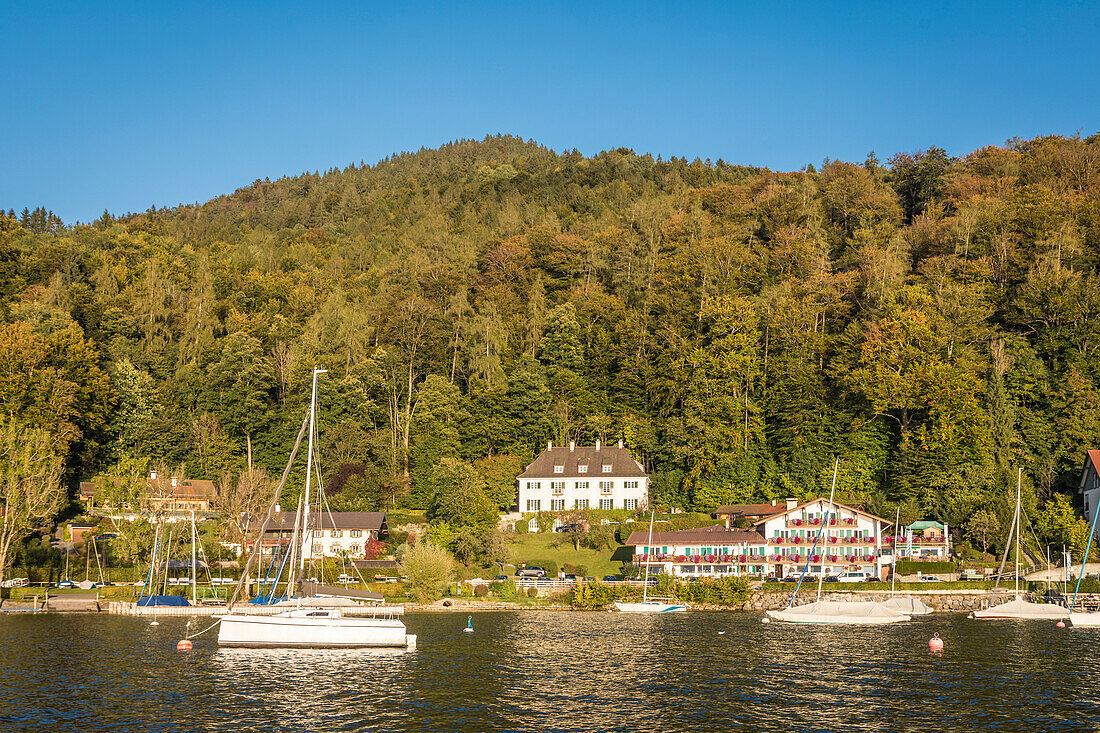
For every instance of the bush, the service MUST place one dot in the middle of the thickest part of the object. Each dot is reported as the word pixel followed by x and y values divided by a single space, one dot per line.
pixel 579 570
pixel 429 570
pixel 480 591
pixel 532 592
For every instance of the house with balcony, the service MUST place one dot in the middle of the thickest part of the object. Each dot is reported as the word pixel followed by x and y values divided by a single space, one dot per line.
pixel 784 542
pixel 849 540
pixel 923 540
pixel 583 477
pixel 170 498
pixel 333 534
pixel 734 513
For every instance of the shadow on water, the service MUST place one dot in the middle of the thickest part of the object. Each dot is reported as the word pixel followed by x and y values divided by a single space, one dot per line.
pixel 535 671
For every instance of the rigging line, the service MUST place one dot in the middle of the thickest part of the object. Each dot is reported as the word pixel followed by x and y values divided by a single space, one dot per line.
pixel 1004 558
pixel 270 513
pixel 1085 559
pixel 192 636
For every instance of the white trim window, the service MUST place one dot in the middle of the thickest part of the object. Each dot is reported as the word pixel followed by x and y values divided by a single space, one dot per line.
pixel 582 468
pixel 532 485
pixel 580 504
pixel 607 468
pixel 533 505
pixel 580 485
pixel 606 487
pixel 630 484
pixel 557 487
pixel 559 469
pixel 607 503
pixel 337 533
pixel 630 504
pixel 355 533
pixel 557 505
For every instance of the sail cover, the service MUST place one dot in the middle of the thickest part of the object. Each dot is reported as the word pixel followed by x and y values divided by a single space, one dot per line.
pixel 1019 608
pixel 307 588
pixel 839 612
pixel 163 601
pixel 908 605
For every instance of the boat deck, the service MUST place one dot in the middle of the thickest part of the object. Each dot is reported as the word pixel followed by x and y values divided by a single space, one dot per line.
pixel 130 608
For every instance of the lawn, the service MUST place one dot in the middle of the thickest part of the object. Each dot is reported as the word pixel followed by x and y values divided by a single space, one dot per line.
pixel 540 548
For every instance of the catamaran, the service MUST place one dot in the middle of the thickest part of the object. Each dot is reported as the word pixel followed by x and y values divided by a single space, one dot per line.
pixel 1019 607
pixel 834 612
pixel 658 605
pixel 307 622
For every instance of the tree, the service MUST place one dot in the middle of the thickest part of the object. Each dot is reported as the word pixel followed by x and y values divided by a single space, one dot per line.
pixel 30 489
pixel 983 527
pixel 459 498
pixel 242 498
pixel 429 569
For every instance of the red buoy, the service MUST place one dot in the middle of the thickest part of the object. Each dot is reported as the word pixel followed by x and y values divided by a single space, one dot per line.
pixel 1061 624
pixel 184 645
pixel 935 643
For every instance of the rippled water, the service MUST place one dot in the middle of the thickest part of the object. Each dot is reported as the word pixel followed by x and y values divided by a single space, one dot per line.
pixel 535 671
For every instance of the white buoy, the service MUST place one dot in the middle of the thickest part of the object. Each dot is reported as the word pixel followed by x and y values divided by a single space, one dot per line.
pixel 935 643
pixel 154 623
pixel 765 620
pixel 469 625
pixel 721 632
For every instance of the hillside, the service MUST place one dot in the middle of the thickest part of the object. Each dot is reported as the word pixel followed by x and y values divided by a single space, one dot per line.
pixel 933 321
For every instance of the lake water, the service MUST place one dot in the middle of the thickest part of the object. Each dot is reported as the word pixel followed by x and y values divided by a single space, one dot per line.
pixel 557 671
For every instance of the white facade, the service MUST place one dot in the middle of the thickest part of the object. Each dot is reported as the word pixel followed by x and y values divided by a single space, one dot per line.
pixel 583 477
pixel 854 543
pixel 335 542
pixel 1090 486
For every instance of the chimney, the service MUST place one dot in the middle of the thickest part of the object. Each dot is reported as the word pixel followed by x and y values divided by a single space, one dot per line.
pixel 791 503
pixel 173 482
pixel 278 508
pixel 727 521
pixel 152 475
pixel 620 443
pixel 597 443
pixel 572 445
pixel 773 502
pixel 549 444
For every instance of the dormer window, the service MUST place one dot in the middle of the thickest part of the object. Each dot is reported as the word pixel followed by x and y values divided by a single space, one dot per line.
pixel 559 469
pixel 582 468
pixel 607 468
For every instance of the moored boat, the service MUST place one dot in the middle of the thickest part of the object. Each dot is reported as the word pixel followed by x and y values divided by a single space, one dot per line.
pixel 313 627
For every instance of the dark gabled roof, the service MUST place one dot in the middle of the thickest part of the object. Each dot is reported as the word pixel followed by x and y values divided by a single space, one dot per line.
pixel 622 463
pixel 752 510
pixel 1092 460
pixel 281 521
pixel 717 535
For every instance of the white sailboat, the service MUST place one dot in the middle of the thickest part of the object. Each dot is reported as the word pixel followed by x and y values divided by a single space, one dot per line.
pixel 658 605
pixel 835 612
pixel 905 604
pixel 1019 607
pixel 306 624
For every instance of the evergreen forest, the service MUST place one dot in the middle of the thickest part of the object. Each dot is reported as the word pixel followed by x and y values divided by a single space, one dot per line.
pixel 933 321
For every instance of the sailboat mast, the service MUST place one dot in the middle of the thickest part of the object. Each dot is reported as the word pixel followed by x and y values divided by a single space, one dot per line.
pixel 894 568
pixel 194 573
pixel 649 546
pixel 307 539
pixel 825 545
pixel 1019 479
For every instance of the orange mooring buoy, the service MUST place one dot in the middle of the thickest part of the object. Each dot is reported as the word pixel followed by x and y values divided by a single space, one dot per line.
pixel 184 645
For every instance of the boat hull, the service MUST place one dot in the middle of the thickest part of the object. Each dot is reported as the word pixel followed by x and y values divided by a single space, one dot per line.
pixel 1084 620
pixel 306 632
pixel 648 607
pixel 1023 610
pixel 797 619
pixel 845 613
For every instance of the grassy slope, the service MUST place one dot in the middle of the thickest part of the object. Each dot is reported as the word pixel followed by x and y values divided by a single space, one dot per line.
pixel 535 548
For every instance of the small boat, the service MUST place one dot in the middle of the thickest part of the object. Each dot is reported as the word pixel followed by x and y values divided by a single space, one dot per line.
pixel 1019 608
pixel 312 627
pixel 658 605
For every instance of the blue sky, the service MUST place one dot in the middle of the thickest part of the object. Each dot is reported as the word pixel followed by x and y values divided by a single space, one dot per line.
pixel 126 105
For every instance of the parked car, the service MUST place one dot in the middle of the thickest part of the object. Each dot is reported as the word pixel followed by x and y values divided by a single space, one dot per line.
pixel 610 578
pixel 930 579
pixel 972 574
pixel 501 577
pixel 345 579
pixel 567 527
pixel 533 571
pixel 831 579
pixel 790 579
pixel 852 577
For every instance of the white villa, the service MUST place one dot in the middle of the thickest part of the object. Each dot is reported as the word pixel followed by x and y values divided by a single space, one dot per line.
pixel 583 477
pixel 781 543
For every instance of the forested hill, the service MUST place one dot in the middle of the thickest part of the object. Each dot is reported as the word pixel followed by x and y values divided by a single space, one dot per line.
pixel 932 321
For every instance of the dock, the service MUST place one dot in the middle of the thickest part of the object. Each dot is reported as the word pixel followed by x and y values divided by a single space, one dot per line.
pixel 130 608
